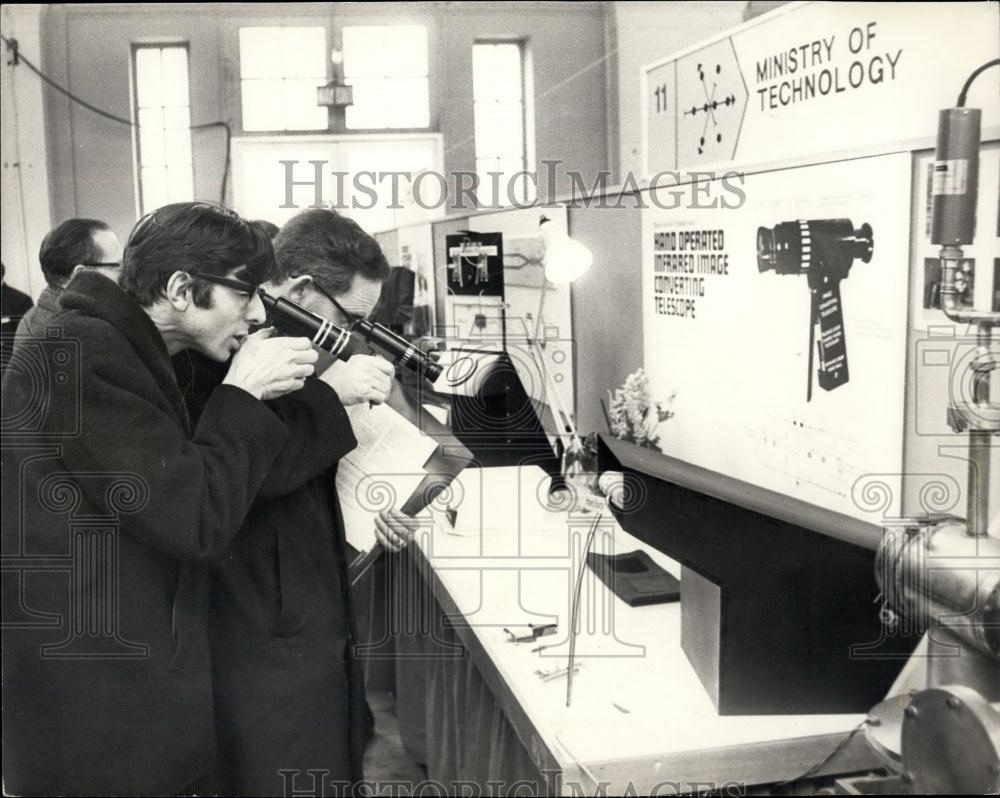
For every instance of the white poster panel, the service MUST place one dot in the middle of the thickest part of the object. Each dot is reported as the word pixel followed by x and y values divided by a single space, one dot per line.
pixel 416 253
pixel 818 78
pixel 536 309
pixel 730 297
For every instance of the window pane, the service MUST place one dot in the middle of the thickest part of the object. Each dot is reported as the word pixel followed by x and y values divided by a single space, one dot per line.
pixel 261 52
pixel 148 77
pixel 389 103
pixel 499 129
pixel 179 183
pixel 304 53
pixel 151 144
pixel 262 104
pixel 175 76
pixel 154 188
pixel 369 109
pixel 177 122
pixel 506 188
pixel 385 50
pixel 164 120
pixel 409 101
pixel 301 111
pixel 496 72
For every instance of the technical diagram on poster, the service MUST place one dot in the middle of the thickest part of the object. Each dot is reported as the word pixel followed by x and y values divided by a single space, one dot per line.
pixel 711 101
pixel 777 322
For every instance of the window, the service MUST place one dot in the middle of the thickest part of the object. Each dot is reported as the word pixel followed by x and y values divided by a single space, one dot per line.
pixel 280 69
pixel 387 66
pixel 163 113
pixel 499 110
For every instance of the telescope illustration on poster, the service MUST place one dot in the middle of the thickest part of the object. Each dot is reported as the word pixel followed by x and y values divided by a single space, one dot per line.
pixel 824 250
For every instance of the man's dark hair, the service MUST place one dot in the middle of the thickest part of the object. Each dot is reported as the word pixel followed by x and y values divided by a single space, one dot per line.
pixel 192 236
pixel 330 247
pixel 67 245
pixel 268 227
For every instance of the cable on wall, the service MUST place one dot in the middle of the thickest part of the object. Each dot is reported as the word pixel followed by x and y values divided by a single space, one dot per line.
pixel 16 58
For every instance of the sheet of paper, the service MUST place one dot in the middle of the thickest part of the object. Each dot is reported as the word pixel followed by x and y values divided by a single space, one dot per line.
pixel 500 499
pixel 382 472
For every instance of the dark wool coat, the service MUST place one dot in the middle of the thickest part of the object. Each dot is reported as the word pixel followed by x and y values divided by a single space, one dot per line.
pixel 288 694
pixel 113 505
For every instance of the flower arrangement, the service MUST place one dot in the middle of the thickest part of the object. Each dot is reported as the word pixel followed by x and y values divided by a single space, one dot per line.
pixel 634 416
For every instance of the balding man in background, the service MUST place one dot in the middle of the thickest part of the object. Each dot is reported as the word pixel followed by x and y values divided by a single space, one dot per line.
pixel 68 248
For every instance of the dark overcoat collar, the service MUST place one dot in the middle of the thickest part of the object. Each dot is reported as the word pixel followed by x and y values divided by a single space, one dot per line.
pixel 96 295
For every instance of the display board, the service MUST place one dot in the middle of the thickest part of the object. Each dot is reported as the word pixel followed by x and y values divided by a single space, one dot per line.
pixel 729 300
pixel 536 309
pixel 816 78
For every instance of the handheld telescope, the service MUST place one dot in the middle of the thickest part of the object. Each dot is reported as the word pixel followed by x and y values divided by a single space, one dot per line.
pixel 824 251
pixel 292 317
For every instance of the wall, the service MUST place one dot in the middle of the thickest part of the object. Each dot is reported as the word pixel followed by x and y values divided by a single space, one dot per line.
pixel 87 49
pixel 24 193
pixel 605 305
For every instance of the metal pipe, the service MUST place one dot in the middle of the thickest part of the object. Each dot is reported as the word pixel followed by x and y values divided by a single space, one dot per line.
pixel 977 486
pixel 950 258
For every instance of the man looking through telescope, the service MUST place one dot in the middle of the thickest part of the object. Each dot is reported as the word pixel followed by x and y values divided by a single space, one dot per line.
pixel 290 696
pixel 125 706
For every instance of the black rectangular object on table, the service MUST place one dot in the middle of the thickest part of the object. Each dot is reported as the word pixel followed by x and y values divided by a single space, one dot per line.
pixel 635 578
pixel 779 611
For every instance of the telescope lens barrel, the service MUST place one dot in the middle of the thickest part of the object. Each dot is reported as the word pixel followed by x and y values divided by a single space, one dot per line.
pixel 398 349
pixel 294 318
pixel 797 247
pixel 765 250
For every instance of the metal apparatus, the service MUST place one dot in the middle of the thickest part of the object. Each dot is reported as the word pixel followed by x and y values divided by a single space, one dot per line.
pixel 942 573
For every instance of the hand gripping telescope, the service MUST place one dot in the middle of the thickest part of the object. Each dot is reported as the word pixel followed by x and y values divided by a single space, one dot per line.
pixel 824 251
pixel 292 317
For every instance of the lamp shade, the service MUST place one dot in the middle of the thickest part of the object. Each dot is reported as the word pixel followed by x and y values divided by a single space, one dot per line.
pixel 565 259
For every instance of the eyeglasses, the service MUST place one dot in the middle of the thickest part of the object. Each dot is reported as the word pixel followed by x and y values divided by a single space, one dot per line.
pixel 352 317
pixel 240 286
pixel 117 265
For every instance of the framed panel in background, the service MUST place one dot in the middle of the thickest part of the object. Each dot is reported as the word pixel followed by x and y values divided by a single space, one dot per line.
pixel 413 248
pixel 536 308
pixel 731 335
pixel 276 177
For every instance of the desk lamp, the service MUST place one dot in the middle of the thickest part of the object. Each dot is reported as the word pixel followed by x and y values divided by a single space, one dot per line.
pixel 565 260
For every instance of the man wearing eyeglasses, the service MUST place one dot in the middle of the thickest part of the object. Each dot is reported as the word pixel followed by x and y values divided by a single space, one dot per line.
pixel 289 695
pixel 115 500
pixel 67 249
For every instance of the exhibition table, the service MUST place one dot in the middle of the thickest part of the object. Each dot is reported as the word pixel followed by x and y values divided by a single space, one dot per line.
pixel 478 708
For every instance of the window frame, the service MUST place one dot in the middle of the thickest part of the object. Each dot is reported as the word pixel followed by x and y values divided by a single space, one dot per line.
pixel 290 22
pixel 160 44
pixel 429 32
pixel 527 113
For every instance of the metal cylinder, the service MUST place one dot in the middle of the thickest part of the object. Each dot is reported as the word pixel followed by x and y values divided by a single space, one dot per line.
pixel 937 576
pixel 954 181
